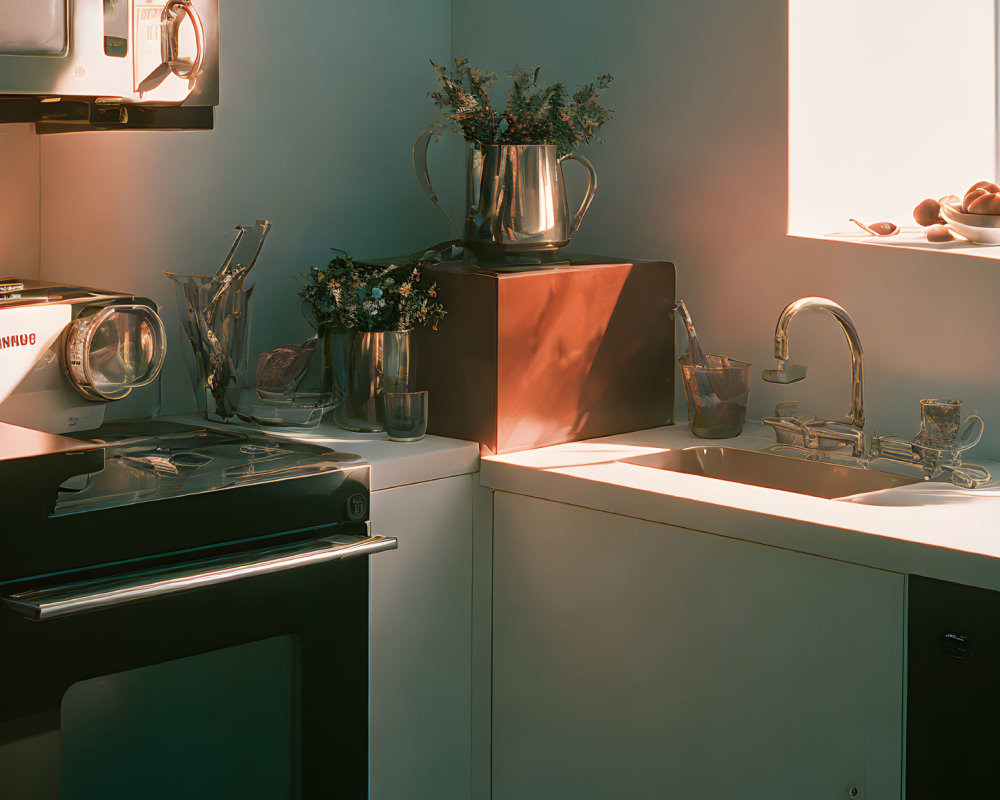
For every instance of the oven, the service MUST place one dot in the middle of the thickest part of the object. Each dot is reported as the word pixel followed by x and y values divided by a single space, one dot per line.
pixel 186 644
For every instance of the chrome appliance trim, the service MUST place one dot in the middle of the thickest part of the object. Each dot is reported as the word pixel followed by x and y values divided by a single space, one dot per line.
pixel 76 598
pixel 170 40
pixel 80 335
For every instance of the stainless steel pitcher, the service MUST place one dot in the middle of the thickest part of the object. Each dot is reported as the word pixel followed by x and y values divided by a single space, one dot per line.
pixel 515 197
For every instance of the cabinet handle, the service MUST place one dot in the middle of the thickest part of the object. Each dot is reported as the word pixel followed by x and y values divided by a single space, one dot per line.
pixel 956 645
pixel 93 595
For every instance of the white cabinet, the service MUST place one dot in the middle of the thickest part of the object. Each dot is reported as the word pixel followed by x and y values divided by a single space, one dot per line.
pixel 421 642
pixel 642 661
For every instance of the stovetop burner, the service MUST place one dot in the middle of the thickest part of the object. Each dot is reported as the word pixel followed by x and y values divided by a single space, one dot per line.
pixel 147 460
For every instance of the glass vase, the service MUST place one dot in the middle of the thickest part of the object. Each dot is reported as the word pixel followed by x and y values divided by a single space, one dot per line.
pixel 216 324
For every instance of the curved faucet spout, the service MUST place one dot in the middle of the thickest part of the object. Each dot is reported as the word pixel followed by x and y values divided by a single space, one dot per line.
pixel 857 413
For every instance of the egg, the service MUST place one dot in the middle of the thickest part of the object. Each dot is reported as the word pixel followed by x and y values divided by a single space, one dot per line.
pixel 939 233
pixel 928 212
pixel 982 198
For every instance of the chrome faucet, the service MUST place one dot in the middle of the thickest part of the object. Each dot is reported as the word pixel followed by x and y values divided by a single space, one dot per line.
pixel 792 373
pixel 938 456
pixel 822 434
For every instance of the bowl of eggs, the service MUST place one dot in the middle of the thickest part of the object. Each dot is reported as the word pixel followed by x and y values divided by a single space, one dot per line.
pixel 976 215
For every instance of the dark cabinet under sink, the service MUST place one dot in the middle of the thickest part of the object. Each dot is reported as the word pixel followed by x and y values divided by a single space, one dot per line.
pixel 953 691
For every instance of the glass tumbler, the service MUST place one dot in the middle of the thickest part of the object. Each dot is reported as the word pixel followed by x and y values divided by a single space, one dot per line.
pixel 405 415
pixel 716 396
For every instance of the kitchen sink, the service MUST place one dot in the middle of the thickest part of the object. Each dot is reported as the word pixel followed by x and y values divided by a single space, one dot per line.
pixel 773 471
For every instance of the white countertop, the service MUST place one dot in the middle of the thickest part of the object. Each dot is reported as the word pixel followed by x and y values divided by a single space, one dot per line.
pixel 393 463
pixel 932 529
pixel 398 463
pixel 22 443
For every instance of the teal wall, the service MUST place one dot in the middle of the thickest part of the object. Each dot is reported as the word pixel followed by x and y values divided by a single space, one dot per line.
pixel 321 102
pixel 322 99
pixel 694 170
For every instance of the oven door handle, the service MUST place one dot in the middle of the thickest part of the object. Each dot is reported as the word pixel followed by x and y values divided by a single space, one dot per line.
pixel 93 595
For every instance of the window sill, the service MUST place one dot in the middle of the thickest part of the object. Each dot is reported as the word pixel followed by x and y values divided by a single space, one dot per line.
pixel 910 239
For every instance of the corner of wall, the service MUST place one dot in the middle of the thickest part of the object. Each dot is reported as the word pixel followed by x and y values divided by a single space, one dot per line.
pixel 20 236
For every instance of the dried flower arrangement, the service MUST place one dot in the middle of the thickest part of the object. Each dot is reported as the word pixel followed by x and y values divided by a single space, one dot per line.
pixel 350 295
pixel 533 115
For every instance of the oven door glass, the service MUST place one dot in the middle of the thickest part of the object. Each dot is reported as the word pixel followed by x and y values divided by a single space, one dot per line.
pixel 251 687
pixel 229 716
pixel 33 27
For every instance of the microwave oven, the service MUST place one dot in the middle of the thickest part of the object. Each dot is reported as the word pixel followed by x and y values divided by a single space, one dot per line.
pixel 109 64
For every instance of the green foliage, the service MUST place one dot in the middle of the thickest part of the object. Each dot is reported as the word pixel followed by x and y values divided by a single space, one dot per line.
pixel 533 115
pixel 351 295
pixel 466 94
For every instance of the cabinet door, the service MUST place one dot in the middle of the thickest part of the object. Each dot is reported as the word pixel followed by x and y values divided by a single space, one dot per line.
pixel 637 660
pixel 421 642
pixel 952 735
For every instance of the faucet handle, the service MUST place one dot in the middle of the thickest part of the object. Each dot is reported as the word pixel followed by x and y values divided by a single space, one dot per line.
pixel 789 408
pixel 786 423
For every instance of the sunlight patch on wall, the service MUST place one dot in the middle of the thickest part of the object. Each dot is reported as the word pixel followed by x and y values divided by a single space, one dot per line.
pixel 889 102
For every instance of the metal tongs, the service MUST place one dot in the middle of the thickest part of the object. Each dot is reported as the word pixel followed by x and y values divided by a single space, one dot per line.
pixel 227 282
pixel 239 261
pixel 215 313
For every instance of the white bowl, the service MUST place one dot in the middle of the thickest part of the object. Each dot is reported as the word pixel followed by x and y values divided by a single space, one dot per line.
pixel 979 228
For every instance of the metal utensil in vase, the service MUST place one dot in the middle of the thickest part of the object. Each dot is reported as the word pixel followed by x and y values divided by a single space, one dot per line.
pixel 215 314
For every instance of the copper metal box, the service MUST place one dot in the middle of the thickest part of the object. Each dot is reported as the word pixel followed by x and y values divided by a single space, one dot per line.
pixel 544 356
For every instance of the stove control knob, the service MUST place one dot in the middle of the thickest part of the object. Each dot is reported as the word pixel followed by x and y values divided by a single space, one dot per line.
pixel 357 507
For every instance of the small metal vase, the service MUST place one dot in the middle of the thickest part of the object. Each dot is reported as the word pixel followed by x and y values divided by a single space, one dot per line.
pixel 365 365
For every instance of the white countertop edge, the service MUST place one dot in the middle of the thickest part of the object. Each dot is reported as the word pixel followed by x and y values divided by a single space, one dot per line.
pixel 957 542
pixel 393 464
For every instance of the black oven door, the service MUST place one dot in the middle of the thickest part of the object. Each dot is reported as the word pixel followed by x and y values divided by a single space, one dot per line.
pixel 240 676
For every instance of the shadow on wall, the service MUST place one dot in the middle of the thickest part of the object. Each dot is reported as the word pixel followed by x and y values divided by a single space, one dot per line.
pixel 536 358
pixel 584 353
pixel 638 341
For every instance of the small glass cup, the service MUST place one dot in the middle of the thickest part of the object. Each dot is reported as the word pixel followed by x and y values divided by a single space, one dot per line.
pixel 405 415
pixel 716 396
pixel 939 423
